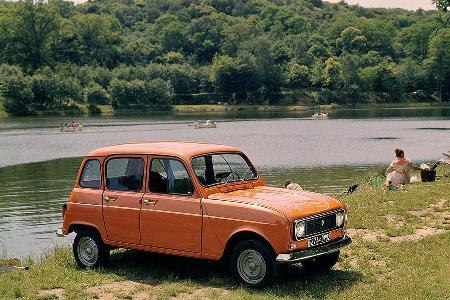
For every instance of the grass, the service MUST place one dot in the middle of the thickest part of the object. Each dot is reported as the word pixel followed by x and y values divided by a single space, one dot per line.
pixel 369 269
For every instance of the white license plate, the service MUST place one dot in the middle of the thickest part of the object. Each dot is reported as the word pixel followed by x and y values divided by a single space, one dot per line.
pixel 318 239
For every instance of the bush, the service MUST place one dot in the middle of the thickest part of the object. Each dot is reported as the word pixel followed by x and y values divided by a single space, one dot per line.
pixel 95 94
pixel 154 94
pixel 17 94
pixel 94 109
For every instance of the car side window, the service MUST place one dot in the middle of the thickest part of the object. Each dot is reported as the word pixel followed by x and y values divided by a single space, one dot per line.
pixel 125 174
pixel 91 175
pixel 169 176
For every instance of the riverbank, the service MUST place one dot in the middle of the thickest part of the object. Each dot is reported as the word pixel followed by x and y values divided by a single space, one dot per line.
pixel 107 110
pixel 401 250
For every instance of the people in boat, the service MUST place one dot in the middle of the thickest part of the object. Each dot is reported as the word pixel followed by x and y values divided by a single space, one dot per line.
pixel 398 172
pixel 292 186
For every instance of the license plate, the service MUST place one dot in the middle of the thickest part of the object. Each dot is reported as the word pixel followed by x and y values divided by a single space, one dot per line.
pixel 318 239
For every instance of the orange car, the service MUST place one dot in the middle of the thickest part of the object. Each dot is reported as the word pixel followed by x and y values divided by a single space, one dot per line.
pixel 198 200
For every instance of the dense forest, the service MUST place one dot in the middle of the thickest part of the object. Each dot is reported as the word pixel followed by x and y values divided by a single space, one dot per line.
pixel 149 54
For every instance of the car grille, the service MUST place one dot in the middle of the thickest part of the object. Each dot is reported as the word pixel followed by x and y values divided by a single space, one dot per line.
pixel 322 223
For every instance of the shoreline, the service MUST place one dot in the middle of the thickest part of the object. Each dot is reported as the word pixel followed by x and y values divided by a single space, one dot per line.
pixel 107 110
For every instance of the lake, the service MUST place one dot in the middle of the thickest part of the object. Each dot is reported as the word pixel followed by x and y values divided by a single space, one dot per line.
pixel 38 163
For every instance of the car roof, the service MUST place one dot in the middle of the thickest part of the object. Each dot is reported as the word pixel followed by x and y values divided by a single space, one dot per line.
pixel 169 148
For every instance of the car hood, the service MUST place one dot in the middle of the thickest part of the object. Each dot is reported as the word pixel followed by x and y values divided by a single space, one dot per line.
pixel 291 203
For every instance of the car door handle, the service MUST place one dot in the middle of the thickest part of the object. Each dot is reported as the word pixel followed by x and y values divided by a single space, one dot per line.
pixel 109 199
pixel 150 202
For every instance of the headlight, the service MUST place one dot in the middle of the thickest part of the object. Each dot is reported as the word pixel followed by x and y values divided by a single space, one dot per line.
pixel 340 218
pixel 299 229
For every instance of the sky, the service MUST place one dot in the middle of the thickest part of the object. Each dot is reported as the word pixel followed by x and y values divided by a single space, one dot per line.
pixel 406 4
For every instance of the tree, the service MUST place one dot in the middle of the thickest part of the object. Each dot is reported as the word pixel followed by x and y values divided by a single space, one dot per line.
pixel 234 76
pixel 438 62
pixel 99 36
pixel 96 94
pixel 174 37
pixel 141 94
pixel 351 40
pixel 332 73
pixel 383 80
pixel 29 31
pixel 269 73
pixel 16 91
pixel 298 75
pixel 442 5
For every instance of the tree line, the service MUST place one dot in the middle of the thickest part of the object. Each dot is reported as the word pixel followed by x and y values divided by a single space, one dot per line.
pixel 149 54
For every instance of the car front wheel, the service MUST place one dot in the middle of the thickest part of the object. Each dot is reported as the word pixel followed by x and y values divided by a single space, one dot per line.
pixel 253 264
pixel 89 250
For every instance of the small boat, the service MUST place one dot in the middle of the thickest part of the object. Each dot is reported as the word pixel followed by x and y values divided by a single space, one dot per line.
pixel 204 124
pixel 72 127
pixel 320 115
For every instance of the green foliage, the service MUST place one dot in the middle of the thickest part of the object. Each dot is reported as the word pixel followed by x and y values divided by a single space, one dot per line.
pixel 332 73
pixel 141 94
pixel 96 94
pixel 236 76
pixel 245 50
pixel 298 75
pixel 17 94
pixel 351 40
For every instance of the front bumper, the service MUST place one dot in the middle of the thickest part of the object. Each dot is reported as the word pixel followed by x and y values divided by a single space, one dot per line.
pixel 295 257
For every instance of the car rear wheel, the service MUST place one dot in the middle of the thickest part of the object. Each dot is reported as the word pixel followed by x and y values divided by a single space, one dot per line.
pixel 322 263
pixel 89 250
pixel 253 264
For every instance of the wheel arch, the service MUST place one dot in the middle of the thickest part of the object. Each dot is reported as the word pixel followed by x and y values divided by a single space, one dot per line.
pixel 78 227
pixel 244 235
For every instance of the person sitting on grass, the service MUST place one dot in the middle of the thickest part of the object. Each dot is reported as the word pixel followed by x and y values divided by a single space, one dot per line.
pixel 292 186
pixel 398 171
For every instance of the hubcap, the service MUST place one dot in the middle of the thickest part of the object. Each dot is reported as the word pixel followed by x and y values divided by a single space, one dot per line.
pixel 251 266
pixel 87 251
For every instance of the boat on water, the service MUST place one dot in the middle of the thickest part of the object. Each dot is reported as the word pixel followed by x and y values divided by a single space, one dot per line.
pixel 71 127
pixel 320 115
pixel 204 124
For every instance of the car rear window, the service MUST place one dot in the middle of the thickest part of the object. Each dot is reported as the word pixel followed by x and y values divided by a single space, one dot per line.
pixel 125 174
pixel 91 175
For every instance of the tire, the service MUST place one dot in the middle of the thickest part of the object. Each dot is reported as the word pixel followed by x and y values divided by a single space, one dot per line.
pixel 89 250
pixel 322 263
pixel 253 264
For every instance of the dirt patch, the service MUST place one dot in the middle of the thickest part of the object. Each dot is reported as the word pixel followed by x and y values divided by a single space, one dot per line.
pixel 381 236
pixel 116 290
pixel 51 294
pixel 367 235
pixel 417 235
pixel 210 293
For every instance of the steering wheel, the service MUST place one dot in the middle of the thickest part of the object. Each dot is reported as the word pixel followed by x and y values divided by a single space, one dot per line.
pixel 232 173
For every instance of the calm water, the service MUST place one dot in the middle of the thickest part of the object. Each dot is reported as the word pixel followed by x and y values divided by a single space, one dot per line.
pixel 283 145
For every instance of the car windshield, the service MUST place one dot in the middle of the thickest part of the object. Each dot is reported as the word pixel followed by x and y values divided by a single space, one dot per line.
pixel 222 168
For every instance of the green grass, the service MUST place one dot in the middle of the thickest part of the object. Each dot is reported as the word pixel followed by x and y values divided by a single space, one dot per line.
pixel 368 269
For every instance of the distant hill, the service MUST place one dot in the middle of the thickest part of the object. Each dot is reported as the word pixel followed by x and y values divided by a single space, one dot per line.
pixel 148 54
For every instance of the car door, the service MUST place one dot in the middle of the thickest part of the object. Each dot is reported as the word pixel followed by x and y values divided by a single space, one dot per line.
pixel 124 188
pixel 171 215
